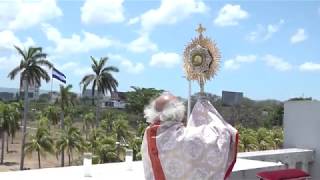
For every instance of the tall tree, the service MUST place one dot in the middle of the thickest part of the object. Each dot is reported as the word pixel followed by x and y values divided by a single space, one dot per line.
pixel 41 143
pixel 70 139
pixel 52 113
pixel 2 106
pixel 107 121
pixel 65 101
pixel 31 73
pixel 18 109
pixel 121 129
pixel 102 81
pixel 88 120
pixel 11 117
pixel 135 144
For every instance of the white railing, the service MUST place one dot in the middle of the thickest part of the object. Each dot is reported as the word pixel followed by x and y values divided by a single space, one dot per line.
pixel 292 158
pixel 246 167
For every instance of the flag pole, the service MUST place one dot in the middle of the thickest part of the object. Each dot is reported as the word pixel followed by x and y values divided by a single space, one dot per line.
pixel 51 84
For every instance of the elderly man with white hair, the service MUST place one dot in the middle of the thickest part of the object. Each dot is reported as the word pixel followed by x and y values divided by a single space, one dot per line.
pixel 205 148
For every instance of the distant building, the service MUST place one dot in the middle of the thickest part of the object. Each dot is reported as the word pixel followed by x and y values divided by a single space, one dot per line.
pixel 7 96
pixel 117 100
pixel 233 101
pixel 231 98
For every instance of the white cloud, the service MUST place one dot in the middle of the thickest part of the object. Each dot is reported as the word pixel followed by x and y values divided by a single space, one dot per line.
pixel 128 65
pixel 166 60
pixel 142 44
pixel 75 43
pixel 18 14
pixel 74 67
pixel 309 66
pixel 134 20
pixel 102 11
pixel 299 36
pixel 231 64
pixel 264 33
pixel 277 63
pixel 235 63
pixel 169 12
pixel 230 15
pixel 131 67
pixel 8 39
pixel 9 62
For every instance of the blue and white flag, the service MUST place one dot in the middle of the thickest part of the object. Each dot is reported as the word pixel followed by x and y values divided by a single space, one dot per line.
pixel 58 75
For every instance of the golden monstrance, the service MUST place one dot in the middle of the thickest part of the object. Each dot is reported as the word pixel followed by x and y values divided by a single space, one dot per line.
pixel 201 58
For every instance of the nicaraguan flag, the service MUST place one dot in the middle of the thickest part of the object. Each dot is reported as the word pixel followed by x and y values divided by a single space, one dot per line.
pixel 58 75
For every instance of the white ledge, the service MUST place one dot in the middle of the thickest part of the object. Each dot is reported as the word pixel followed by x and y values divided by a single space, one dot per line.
pixel 246 167
pixel 117 171
pixel 274 152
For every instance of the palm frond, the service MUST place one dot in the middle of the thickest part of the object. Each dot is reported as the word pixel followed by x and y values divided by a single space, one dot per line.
pixel 45 63
pixel 21 52
pixel 110 69
pixel 14 72
pixel 87 79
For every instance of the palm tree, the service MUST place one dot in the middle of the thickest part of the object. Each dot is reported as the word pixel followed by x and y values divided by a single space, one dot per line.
pixel 9 117
pixel 94 137
pixel 135 144
pixel 106 150
pixel 52 113
pixel 17 110
pixel 31 73
pixel 65 100
pixel 120 128
pixel 102 81
pixel 70 139
pixel 107 122
pixel 87 122
pixel 2 106
pixel 41 143
pixel 11 121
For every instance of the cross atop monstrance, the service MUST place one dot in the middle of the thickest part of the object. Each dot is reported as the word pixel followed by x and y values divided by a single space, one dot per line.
pixel 201 58
pixel 200 29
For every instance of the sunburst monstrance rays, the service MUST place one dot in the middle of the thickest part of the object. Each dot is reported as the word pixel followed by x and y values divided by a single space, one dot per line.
pixel 201 58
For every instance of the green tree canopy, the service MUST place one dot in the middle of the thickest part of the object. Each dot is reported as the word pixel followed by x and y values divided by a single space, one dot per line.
pixel 140 97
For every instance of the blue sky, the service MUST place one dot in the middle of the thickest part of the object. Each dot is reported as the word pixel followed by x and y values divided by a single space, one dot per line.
pixel 270 50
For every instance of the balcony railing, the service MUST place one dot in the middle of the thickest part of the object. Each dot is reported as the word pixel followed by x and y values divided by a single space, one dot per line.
pixel 248 164
pixel 292 158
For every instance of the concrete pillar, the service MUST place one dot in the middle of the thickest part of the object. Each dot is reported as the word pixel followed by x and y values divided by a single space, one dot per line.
pixel 302 130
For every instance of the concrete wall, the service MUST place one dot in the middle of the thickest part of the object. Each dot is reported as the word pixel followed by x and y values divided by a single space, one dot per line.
pixel 302 129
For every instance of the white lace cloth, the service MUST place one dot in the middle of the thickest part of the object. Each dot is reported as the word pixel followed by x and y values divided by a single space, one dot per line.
pixel 204 149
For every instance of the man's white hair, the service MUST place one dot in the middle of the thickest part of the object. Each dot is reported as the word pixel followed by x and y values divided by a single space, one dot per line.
pixel 174 110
